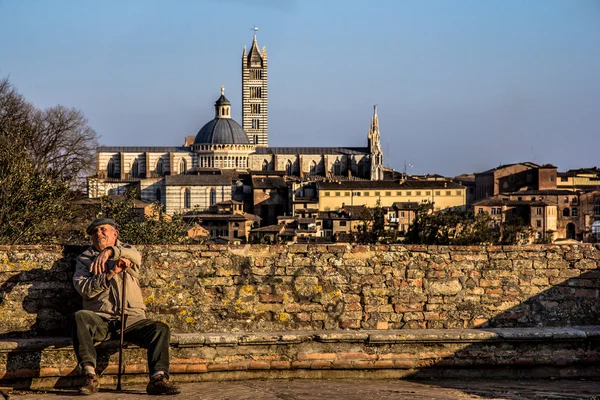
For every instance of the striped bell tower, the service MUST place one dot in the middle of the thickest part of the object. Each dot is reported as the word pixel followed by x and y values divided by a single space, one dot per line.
pixel 255 94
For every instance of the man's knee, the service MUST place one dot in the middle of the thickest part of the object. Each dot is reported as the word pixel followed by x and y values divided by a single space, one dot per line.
pixel 161 328
pixel 84 318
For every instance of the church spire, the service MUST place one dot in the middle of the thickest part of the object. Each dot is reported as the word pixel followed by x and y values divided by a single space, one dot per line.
pixel 375 148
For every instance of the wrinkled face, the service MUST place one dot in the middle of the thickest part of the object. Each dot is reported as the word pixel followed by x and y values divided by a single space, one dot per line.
pixel 104 236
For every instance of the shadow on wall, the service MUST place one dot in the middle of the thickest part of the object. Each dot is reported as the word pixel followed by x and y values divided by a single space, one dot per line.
pixel 570 348
pixel 47 298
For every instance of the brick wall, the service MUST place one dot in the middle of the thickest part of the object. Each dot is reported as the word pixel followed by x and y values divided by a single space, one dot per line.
pixel 300 287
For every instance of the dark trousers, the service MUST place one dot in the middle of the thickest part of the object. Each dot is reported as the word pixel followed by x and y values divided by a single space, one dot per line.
pixel 89 327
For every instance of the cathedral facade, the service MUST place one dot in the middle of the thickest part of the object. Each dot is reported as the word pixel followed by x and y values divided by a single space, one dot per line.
pixel 206 170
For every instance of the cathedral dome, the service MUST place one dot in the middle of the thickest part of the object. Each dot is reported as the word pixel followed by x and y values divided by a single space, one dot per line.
pixel 221 131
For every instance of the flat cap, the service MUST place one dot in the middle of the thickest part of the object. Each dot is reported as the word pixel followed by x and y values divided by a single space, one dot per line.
pixel 98 222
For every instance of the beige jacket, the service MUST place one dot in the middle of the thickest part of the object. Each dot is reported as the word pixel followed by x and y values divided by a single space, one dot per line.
pixel 104 296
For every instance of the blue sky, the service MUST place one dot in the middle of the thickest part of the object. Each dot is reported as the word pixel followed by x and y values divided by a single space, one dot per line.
pixel 461 86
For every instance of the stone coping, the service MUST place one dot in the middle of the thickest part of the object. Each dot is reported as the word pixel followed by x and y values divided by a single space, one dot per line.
pixel 374 337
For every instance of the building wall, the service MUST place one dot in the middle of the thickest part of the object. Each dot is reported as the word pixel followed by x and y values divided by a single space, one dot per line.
pixel 298 287
pixel 441 198
pixel 199 200
pixel 301 164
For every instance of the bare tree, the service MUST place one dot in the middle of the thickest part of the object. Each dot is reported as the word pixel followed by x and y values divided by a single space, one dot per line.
pixel 57 140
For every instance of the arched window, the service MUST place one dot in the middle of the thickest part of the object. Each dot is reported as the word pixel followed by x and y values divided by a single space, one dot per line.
pixel 566 212
pixel 159 167
pixel 313 168
pixel 597 207
pixel 213 196
pixel 289 168
pixel 182 166
pixel 110 168
pixel 337 168
pixel 187 198
pixel 135 169
pixel 265 165
pixel 362 168
pixel 596 231
pixel 158 196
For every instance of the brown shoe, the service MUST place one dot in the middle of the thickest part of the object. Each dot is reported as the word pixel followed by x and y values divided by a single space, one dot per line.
pixel 160 385
pixel 91 385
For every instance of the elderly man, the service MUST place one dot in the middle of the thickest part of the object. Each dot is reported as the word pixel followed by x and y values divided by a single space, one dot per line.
pixel 98 279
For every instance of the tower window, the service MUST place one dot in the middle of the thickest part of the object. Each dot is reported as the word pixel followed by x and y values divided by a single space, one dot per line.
pixel 255 92
pixel 255 124
pixel 255 108
pixel 255 74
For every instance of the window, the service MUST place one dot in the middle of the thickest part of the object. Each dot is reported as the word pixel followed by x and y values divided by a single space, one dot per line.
pixel 255 92
pixel 213 196
pixel 529 177
pixel 337 168
pixel 408 193
pixel 187 198
pixel 438 193
pixel 428 193
pixel 265 165
pixel 458 192
pixel 597 207
pixel 289 168
pixel 566 212
pixel 402 214
pixel 574 201
pixel 135 169
pixel 564 179
pixel 110 168
pixel 357 194
pixel 182 166
pixel 538 223
pixel 480 211
pixel 493 211
pixel 398 193
pixel 337 193
pixel 498 210
pixel 255 108
pixel 313 168
pixel 377 193
pixel 158 195
pixel 418 193
pixel 448 193
pixel 255 124
pixel 596 231
pixel 346 193
pixel 159 167
pixel 366 193
pixel 342 223
pixel 388 193
pixel 538 211
pixel 325 193
pixel 574 212
pixel 566 200
pixel 552 178
pixel 519 198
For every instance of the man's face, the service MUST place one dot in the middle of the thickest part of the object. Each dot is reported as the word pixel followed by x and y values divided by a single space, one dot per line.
pixel 104 236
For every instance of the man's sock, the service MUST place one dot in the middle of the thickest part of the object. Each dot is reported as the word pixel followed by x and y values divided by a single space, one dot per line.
pixel 157 373
pixel 89 370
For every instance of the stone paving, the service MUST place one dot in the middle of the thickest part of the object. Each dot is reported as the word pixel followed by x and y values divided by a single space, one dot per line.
pixel 308 389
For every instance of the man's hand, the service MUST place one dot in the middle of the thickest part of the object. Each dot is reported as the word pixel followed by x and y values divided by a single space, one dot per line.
pixel 121 265
pixel 99 264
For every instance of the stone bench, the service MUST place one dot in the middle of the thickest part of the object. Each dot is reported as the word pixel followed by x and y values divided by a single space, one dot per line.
pixel 568 352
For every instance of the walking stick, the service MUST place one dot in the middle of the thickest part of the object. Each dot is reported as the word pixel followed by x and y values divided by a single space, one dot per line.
pixel 123 318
